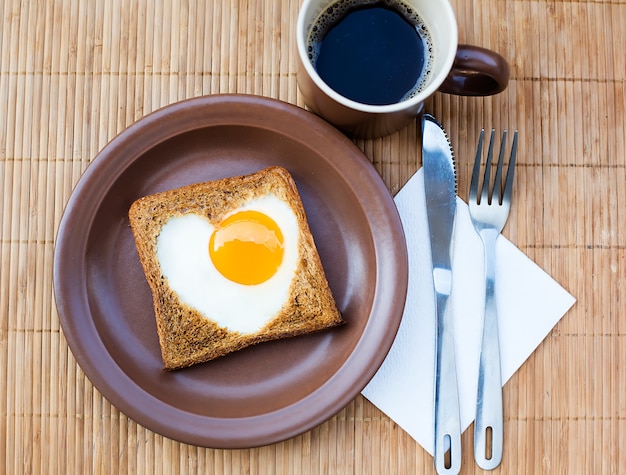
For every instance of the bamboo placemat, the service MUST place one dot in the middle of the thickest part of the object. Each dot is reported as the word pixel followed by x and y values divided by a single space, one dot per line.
pixel 75 73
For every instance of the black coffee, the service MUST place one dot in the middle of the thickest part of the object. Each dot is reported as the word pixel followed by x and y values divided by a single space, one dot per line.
pixel 377 54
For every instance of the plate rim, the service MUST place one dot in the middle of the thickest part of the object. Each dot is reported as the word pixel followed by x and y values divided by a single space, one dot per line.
pixel 249 108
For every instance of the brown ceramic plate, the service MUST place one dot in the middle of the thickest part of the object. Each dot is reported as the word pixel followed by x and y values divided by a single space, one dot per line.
pixel 269 392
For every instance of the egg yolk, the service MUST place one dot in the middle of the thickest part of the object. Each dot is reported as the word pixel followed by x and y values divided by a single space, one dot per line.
pixel 247 247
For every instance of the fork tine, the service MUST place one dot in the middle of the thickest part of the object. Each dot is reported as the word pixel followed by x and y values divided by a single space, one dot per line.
pixel 485 195
pixel 473 191
pixel 497 182
pixel 510 173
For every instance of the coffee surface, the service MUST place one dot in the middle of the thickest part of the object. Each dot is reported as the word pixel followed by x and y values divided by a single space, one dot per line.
pixel 375 54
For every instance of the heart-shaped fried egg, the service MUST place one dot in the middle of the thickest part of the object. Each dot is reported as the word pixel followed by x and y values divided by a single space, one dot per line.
pixel 237 272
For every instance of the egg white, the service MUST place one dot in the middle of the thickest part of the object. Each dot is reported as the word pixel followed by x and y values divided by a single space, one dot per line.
pixel 182 251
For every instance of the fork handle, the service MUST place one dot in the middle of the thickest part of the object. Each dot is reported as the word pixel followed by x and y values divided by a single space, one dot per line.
pixel 488 428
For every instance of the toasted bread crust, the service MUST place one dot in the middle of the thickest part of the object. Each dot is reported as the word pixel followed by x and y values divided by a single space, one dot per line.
pixel 186 336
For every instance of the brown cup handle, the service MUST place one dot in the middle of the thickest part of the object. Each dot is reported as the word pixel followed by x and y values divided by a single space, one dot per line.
pixel 476 71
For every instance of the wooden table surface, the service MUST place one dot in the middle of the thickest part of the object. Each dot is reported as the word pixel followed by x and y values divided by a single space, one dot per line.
pixel 75 73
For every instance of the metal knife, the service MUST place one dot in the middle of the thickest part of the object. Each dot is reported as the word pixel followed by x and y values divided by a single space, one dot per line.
pixel 440 190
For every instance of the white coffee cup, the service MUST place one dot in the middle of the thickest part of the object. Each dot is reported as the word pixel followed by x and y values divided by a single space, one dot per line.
pixel 456 69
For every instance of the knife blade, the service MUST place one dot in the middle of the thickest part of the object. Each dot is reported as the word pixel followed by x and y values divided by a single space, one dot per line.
pixel 440 192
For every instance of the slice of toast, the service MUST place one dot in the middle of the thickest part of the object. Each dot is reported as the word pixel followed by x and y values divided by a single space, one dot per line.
pixel 186 335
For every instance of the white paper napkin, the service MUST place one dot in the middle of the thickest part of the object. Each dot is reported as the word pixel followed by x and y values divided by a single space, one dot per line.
pixel 529 303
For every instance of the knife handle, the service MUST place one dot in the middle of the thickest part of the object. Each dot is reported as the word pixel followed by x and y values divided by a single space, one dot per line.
pixel 447 417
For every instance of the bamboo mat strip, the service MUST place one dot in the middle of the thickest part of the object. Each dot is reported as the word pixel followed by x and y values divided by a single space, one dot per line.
pixel 74 74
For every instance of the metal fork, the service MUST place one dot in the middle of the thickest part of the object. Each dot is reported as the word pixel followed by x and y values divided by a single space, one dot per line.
pixel 489 211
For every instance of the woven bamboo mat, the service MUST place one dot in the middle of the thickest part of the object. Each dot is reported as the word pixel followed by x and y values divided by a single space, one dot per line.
pixel 75 73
